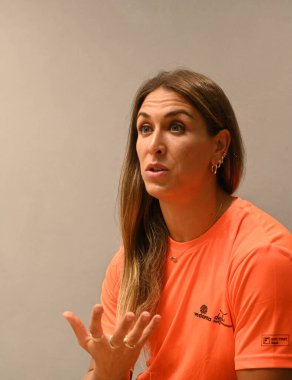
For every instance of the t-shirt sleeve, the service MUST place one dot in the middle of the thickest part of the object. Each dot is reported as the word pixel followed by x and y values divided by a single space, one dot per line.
pixel 260 291
pixel 110 292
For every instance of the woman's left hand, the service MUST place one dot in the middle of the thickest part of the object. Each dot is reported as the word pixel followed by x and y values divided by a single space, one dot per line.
pixel 113 356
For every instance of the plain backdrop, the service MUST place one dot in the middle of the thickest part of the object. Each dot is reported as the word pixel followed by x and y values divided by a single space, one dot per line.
pixel 68 72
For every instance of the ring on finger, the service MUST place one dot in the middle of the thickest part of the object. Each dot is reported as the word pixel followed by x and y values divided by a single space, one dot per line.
pixel 127 344
pixel 113 346
pixel 97 339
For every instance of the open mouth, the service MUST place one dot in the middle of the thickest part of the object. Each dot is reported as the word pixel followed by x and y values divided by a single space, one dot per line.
pixel 157 170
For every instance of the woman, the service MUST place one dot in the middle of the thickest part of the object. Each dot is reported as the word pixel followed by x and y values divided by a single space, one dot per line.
pixel 202 280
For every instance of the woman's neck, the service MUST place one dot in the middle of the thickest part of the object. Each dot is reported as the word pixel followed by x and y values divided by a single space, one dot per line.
pixel 189 219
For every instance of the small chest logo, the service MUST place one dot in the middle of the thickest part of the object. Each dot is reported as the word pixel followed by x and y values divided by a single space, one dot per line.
pixel 203 309
pixel 219 318
pixel 202 314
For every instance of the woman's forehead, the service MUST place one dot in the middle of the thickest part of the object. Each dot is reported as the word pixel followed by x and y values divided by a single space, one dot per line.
pixel 163 98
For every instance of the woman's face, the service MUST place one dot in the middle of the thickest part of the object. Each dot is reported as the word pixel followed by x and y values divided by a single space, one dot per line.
pixel 173 147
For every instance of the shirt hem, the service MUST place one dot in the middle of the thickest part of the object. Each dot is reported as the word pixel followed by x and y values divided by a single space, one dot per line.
pixel 254 362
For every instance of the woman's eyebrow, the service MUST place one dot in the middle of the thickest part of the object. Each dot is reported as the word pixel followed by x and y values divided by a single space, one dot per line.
pixel 169 114
pixel 178 112
pixel 144 114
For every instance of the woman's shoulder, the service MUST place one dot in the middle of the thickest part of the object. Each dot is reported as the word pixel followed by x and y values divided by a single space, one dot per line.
pixel 257 226
pixel 118 258
pixel 115 267
pixel 257 236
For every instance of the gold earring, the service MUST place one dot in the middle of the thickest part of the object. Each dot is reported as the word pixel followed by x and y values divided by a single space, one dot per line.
pixel 215 167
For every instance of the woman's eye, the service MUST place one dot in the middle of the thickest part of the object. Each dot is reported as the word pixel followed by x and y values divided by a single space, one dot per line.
pixel 177 127
pixel 144 129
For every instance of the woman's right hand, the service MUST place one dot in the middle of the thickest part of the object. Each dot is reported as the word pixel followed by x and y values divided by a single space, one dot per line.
pixel 113 356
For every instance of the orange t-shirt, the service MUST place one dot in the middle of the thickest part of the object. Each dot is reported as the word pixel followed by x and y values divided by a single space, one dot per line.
pixel 226 303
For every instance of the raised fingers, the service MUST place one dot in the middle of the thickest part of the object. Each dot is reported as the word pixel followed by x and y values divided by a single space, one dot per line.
pixel 148 330
pixel 116 340
pixel 78 328
pixel 95 323
pixel 133 337
pixel 130 334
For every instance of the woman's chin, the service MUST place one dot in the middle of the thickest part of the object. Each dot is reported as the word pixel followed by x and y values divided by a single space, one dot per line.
pixel 156 191
pixel 161 192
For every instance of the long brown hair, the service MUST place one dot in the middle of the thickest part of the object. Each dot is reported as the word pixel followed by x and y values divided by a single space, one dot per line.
pixel 144 232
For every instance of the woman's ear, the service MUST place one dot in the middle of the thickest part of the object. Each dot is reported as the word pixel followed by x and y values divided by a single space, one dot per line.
pixel 222 142
pixel 221 145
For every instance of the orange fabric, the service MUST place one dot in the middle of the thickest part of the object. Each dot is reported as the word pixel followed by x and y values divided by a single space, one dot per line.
pixel 227 300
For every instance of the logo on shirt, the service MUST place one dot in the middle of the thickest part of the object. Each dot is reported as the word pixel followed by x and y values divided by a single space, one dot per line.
pixel 202 314
pixel 219 318
pixel 203 309
pixel 275 340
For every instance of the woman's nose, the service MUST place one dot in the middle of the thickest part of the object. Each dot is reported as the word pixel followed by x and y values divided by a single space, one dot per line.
pixel 157 143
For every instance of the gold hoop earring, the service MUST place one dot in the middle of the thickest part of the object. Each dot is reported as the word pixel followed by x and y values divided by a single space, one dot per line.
pixel 215 167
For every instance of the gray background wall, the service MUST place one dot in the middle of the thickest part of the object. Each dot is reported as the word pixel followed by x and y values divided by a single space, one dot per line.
pixel 68 72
